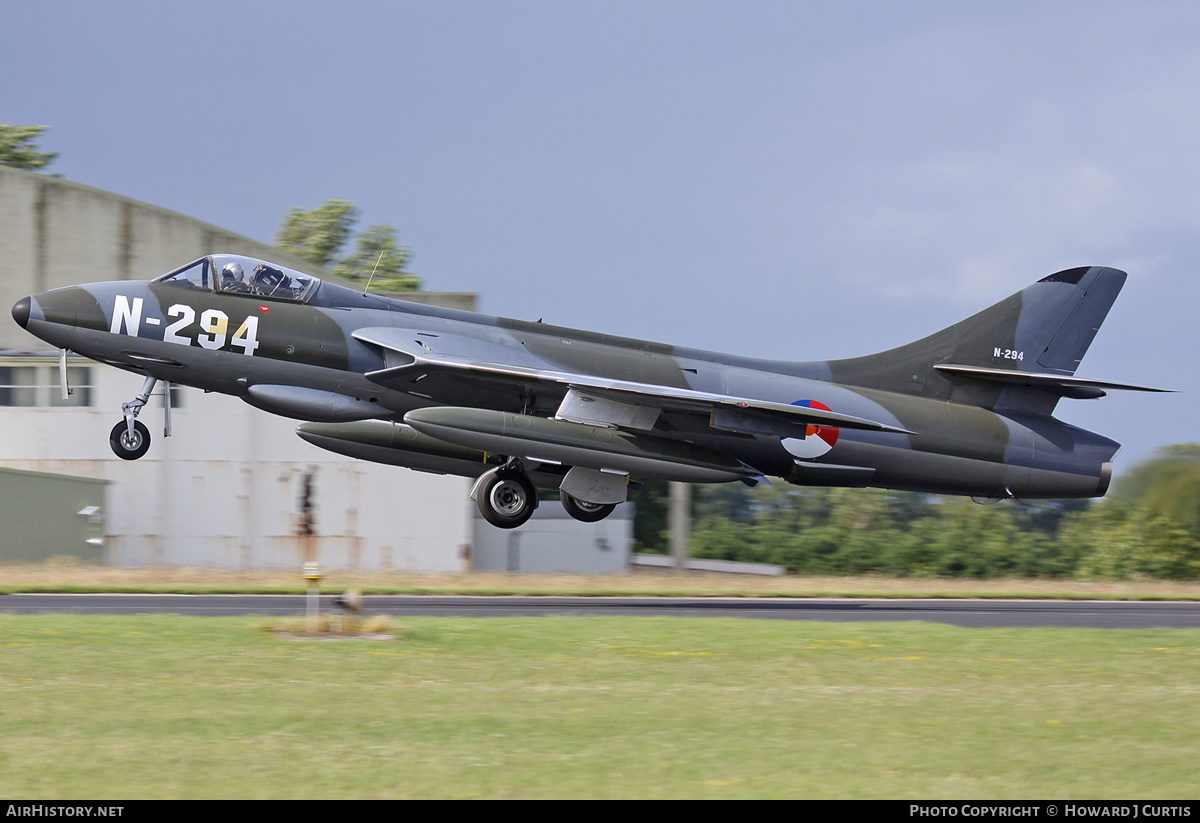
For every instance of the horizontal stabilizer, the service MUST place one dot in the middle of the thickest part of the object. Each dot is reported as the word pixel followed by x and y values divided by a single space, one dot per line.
pixel 1061 384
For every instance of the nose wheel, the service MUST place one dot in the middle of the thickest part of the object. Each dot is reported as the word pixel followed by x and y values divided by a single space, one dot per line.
pixel 130 439
pixel 129 443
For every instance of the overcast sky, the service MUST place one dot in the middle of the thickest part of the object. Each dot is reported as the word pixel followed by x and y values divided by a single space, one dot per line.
pixel 787 179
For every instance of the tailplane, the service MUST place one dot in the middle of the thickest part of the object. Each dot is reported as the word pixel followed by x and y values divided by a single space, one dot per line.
pixel 1021 354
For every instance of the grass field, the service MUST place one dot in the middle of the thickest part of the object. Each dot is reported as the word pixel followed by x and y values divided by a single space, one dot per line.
pixel 175 707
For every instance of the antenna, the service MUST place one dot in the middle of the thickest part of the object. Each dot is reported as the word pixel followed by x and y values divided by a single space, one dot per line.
pixel 372 277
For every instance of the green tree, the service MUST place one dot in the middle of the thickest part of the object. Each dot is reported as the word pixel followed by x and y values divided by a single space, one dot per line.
pixel 17 148
pixel 652 515
pixel 317 235
pixel 650 506
pixel 379 260
pixel 856 531
pixel 1118 540
pixel 1167 484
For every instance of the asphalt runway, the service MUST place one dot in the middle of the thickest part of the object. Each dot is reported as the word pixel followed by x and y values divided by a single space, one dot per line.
pixel 965 613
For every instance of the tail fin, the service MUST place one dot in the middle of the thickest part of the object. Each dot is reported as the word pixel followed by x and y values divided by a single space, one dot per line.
pixel 1020 354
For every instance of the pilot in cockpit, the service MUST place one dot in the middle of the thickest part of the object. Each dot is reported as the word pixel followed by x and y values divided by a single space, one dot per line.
pixel 233 279
pixel 268 280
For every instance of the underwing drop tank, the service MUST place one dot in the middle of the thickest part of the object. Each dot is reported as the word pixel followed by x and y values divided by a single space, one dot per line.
pixel 575 444
pixel 397 445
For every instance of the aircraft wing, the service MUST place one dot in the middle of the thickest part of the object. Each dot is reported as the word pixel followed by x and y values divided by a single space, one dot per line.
pixel 478 365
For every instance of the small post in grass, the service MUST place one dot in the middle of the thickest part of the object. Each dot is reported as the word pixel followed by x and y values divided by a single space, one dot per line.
pixel 312 574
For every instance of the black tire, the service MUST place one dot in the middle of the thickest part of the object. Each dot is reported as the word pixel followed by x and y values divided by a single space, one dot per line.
pixel 129 446
pixel 507 501
pixel 586 512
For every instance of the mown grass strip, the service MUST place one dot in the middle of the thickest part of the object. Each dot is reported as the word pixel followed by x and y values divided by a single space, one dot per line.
pixel 173 707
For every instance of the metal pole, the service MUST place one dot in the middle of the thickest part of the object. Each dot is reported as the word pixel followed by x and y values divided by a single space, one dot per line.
pixel 67 391
pixel 312 574
pixel 681 522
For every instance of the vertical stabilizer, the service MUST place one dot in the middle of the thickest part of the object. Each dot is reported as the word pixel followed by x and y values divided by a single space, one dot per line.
pixel 1043 330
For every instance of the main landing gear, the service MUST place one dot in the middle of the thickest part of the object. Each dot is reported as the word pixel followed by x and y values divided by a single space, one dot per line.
pixel 586 512
pixel 130 439
pixel 507 497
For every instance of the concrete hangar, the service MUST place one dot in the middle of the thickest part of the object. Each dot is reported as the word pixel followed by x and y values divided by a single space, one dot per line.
pixel 227 489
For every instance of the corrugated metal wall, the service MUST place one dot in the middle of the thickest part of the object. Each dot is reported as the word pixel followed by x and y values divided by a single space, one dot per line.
pixel 51 515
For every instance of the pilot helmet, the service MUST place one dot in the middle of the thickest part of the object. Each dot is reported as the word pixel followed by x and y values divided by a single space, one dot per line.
pixel 232 273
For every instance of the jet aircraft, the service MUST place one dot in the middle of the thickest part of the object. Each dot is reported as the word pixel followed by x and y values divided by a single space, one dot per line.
pixel 522 405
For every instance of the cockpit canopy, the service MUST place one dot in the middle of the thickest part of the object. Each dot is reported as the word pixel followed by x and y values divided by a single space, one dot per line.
pixel 236 274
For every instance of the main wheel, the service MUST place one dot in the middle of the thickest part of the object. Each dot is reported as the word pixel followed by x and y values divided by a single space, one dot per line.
pixel 586 512
pixel 507 501
pixel 129 445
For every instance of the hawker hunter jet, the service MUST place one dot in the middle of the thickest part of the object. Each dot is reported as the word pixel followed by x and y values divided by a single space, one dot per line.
pixel 520 406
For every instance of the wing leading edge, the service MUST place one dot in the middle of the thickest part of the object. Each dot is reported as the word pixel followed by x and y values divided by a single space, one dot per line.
pixel 622 403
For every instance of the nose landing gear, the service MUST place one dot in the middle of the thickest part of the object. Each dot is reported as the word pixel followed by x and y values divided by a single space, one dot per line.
pixel 130 439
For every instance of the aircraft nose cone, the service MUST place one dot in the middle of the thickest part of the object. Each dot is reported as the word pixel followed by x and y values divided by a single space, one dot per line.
pixel 20 311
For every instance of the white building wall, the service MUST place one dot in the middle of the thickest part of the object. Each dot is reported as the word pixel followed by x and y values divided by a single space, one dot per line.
pixel 17 246
pixel 553 542
pixel 225 489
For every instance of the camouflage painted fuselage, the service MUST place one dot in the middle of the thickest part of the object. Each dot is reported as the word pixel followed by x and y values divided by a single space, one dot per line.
pixel 965 411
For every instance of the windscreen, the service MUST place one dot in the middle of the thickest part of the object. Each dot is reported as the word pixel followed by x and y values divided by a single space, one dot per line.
pixel 237 274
